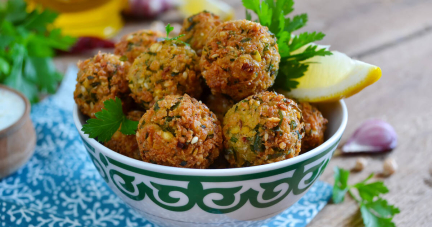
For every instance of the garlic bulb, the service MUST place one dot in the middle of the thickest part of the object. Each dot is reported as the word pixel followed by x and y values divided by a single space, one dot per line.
pixel 372 136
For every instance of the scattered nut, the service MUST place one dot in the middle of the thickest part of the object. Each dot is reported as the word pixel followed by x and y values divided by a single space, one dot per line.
pixel 389 167
pixel 360 164
pixel 194 140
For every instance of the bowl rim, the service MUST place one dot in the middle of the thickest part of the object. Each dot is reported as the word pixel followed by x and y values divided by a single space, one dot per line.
pixel 20 122
pixel 215 172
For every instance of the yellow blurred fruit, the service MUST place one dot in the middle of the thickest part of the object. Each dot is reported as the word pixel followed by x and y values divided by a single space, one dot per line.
pixel 190 7
pixel 97 18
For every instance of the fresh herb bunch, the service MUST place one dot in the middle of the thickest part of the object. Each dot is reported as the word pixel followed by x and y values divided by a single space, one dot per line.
pixel 169 29
pixel 273 14
pixel 27 47
pixel 108 121
pixel 375 211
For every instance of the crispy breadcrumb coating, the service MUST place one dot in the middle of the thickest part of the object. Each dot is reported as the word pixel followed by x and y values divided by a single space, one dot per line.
pixel 179 131
pixel 196 29
pixel 100 78
pixel 315 126
pixel 219 104
pixel 133 44
pixel 240 58
pixel 169 67
pixel 263 128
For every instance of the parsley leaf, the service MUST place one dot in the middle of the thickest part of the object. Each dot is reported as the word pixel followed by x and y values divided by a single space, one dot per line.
pixel 368 191
pixel 340 187
pixel 27 46
pixel 129 127
pixel 375 211
pixel 381 206
pixel 378 213
pixel 293 65
pixel 108 121
pixel 168 29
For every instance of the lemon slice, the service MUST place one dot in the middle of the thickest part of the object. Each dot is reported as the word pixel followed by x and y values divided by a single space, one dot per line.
pixel 190 7
pixel 334 77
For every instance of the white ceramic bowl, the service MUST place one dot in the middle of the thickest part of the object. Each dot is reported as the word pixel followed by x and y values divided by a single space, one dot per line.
pixel 171 196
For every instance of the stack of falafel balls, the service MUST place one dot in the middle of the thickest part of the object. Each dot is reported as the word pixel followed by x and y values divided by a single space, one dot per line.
pixel 229 65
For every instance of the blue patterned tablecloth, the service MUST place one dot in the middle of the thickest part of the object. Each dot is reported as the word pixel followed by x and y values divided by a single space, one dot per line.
pixel 59 186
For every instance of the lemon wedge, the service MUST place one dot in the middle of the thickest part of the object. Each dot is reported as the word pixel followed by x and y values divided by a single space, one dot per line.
pixel 333 77
pixel 222 9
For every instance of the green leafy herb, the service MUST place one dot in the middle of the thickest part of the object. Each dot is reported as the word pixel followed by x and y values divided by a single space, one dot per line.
pixel 293 124
pixel 258 145
pixel 245 40
pixel 108 121
pixel 280 117
pixel 375 210
pixel 168 29
pixel 191 27
pixel 273 14
pixel 156 106
pixel 173 107
pixel 27 47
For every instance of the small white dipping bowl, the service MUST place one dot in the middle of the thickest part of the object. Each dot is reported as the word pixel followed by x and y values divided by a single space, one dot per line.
pixel 171 196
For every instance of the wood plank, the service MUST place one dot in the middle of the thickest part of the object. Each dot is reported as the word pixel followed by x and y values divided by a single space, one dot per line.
pixel 356 27
pixel 402 98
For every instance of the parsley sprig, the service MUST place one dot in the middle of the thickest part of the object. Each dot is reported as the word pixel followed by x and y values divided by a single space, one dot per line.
pixel 375 210
pixel 108 121
pixel 27 47
pixel 293 65
pixel 169 29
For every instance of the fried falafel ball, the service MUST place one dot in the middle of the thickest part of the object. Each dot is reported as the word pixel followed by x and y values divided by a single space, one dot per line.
pixel 315 125
pixel 100 78
pixel 263 128
pixel 126 144
pixel 219 104
pixel 196 29
pixel 168 67
pixel 179 131
pixel 240 58
pixel 133 44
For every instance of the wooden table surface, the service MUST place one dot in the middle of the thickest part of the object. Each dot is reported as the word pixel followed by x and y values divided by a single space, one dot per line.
pixel 395 35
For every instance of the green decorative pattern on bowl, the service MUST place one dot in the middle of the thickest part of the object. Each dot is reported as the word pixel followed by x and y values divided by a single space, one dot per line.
pixel 171 196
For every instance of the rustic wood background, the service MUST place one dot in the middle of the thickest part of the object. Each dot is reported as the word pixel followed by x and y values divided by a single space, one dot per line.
pixel 396 35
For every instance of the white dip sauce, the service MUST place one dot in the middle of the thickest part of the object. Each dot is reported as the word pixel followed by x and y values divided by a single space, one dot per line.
pixel 12 107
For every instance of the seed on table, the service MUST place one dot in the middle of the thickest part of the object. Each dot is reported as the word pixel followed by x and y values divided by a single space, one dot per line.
pixel 360 164
pixel 389 167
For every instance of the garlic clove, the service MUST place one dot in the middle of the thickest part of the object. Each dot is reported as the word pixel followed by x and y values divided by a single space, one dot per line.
pixel 373 136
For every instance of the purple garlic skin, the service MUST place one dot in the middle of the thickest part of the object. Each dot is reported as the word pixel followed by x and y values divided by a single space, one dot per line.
pixel 373 136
